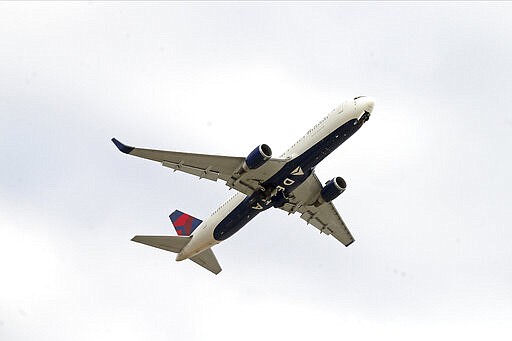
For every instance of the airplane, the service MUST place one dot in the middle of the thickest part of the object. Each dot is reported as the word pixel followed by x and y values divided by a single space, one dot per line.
pixel 288 183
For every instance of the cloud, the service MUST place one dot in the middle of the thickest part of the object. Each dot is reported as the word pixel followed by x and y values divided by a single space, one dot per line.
pixel 428 177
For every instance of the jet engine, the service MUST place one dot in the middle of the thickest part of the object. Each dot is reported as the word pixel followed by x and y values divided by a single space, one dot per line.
pixel 332 189
pixel 257 157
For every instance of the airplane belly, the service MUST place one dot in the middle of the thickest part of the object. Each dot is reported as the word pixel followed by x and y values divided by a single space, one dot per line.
pixel 281 184
pixel 238 216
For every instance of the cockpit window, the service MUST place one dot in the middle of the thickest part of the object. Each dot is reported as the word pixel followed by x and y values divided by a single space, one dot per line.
pixel 358 97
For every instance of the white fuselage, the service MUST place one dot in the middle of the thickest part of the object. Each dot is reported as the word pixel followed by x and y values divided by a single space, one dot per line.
pixel 203 238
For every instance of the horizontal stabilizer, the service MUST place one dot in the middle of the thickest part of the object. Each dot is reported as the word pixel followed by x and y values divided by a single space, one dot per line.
pixel 169 243
pixel 207 260
pixel 175 244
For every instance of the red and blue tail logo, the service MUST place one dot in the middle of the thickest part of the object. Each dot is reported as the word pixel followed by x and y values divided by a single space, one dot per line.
pixel 184 224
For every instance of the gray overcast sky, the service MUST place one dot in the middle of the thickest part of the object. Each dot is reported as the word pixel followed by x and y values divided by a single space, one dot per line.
pixel 429 185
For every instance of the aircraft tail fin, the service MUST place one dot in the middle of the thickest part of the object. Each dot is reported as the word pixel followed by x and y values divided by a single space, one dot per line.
pixel 184 224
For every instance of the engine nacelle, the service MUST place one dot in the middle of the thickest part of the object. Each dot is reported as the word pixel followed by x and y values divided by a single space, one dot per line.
pixel 257 157
pixel 332 189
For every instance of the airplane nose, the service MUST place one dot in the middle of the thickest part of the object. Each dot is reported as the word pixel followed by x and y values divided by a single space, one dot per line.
pixel 368 104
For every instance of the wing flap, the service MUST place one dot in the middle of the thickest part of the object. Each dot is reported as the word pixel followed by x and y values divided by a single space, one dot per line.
pixel 206 173
pixel 327 219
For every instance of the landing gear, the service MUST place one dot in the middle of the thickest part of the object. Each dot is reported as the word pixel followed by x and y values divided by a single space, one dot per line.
pixel 365 117
pixel 279 199
pixel 275 197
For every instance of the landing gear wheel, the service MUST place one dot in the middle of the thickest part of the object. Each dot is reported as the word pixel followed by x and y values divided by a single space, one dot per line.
pixel 365 117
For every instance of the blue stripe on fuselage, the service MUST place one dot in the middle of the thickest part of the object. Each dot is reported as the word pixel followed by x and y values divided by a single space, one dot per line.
pixel 256 203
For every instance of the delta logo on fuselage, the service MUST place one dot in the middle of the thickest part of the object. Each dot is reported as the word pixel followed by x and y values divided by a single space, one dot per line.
pixel 286 183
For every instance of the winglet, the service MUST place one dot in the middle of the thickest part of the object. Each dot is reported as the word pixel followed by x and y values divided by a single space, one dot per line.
pixel 122 147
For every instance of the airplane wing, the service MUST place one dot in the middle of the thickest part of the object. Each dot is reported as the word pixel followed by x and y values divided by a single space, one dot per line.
pixel 325 217
pixel 211 167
